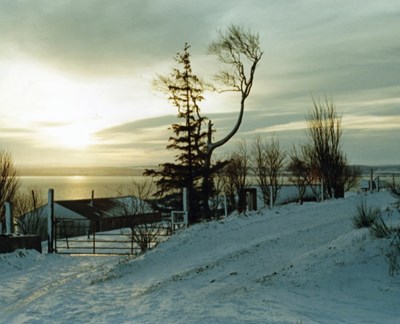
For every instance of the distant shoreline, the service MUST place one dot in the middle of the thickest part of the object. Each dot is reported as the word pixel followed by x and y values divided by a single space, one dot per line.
pixel 81 171
pixel 138 170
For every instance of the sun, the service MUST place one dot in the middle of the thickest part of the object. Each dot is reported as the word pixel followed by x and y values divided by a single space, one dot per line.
pixel 77 139
pixel 73 136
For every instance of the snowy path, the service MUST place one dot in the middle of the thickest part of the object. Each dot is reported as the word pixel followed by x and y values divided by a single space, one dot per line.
pixel 294 263
pixel 30 283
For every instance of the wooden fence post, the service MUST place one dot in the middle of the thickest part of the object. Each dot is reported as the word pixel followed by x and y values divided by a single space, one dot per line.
pixel 50 221
pixel 371 181
pixel 322 189
pixel 271 197
pixel 9 218
pixel 225 206
pixel 185 206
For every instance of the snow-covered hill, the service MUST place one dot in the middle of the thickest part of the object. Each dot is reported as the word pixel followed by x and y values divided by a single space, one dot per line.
pixel 292 264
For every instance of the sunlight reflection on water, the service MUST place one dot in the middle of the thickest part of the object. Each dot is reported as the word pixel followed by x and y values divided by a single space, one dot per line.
pixel 78 187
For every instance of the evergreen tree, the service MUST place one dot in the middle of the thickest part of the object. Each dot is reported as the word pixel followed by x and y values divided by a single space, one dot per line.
pixel 189 140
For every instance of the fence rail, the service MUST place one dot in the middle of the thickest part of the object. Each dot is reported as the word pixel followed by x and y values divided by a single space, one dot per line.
pixel 120 235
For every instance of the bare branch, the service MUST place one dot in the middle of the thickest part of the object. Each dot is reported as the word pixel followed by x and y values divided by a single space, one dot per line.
pixel 238 48
pixel 9 181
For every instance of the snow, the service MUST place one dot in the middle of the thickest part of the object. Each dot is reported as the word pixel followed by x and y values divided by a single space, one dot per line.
pixel 293 264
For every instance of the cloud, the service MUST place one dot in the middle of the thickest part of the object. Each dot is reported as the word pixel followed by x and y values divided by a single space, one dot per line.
pixel 373 122
pixel 103 37
pixel 140 142
pixel 50 124
pixel 138 126
pixel 291 126
pixel 377 147
pixel 339 49
pixel 14 132
pixel 22 145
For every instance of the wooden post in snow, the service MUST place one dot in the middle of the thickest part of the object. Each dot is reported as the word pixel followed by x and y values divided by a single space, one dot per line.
pixel 271 198
pixel 225 206
pixel 371 180
pixel 9 218
pixel 50 221
pixel 92 200
pixel 185 206
pixel 322 189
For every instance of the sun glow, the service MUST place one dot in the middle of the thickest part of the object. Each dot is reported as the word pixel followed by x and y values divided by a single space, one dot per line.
pixel 74 136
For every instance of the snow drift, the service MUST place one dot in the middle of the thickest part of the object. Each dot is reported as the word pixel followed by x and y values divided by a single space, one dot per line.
pixel 293 264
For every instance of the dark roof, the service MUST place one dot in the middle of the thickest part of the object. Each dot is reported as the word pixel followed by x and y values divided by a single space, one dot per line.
pixel 92 209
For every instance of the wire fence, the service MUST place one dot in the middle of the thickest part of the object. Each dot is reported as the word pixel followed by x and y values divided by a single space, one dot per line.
pixel 123 236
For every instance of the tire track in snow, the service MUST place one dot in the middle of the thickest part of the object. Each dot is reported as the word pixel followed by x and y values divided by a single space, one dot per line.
pixel 10 310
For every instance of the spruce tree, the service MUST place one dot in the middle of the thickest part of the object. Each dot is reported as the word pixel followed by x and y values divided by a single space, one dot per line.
pixel 185 92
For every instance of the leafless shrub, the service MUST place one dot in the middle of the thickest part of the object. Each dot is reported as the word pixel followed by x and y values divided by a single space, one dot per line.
pixel 9 182
pixel 300 170
pixel 395 190
pixel 145 235
pixel 365 216
pixel 325 133
pixel 393 254
pixel 216 201
pixel 137 195
pixel 379 229
pixel 29 214
pixel 351 177
pixel 267 165
pixel 234 175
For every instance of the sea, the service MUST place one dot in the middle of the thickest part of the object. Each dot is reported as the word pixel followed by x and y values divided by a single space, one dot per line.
pixel 68 187
pixel 79 187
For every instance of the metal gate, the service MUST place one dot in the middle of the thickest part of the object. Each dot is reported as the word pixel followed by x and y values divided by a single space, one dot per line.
pixel 129 235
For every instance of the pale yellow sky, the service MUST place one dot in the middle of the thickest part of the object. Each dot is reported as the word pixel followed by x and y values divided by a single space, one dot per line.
pixel 75 77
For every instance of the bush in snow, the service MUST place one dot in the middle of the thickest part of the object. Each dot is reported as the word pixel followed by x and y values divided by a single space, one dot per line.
pixel 395 190
pixel 393 254
pixel 379 229
pixel 145 235
pixel 365 216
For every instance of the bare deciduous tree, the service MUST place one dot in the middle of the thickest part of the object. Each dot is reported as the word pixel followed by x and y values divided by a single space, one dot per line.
pixel 300 170
pixel 325 133
pixel 239 50
pixel 216 200
pixel 240 166
pixel 29 214
pixel 145 235
pixel 137 195
pixel 235 173
pixel 9 182
pixel 267 165
pixel 351 177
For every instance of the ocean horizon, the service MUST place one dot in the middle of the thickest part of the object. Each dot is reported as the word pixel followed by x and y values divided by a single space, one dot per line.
pixel 78 186
pixel 78 183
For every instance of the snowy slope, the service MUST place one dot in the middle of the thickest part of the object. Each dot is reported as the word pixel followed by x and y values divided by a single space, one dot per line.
pixel 292 264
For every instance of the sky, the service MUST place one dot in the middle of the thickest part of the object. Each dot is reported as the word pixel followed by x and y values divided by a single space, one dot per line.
pixel 76 76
